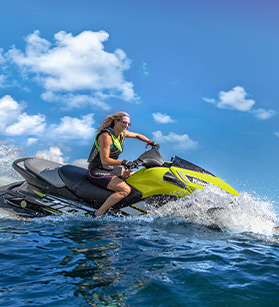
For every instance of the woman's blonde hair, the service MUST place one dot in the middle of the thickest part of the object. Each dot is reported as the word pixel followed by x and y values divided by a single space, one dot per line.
pixel 109 120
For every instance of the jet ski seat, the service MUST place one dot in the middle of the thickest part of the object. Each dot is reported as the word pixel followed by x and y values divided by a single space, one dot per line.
pixel 45 170
pixel 76 180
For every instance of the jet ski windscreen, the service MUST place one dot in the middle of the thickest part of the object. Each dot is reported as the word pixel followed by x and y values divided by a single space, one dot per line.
pixel 151 158
pixel 179 162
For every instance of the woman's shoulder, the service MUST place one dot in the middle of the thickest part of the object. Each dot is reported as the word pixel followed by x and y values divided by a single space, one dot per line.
pixel 104 134
pixel 105 139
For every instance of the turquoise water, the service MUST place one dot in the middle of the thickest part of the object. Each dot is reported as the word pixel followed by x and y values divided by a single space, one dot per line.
pixel 168 258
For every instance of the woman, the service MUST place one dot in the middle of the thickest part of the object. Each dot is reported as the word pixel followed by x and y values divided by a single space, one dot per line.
pixel 104 167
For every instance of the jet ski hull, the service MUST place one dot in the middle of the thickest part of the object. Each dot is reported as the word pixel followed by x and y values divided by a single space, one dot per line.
pixel 28 201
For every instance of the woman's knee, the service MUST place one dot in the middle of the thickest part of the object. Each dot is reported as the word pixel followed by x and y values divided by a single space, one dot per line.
pixel 126 190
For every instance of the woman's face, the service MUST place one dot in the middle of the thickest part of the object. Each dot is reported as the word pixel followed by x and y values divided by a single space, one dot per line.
pixel 123 123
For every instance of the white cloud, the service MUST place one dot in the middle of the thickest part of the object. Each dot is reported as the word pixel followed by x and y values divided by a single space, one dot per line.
pixel 27 125
pixel 72 128
pixel 9 109
pixel 209 100
pixel 75 63
pixel 180 142
pixel 81 163
pixel 78 101
pixel 14 122
pixel 162 118
pixel 6 141
pixel 31 141
pixel 277 133
pixel 144 72
pixel 236 99
pixel 263 114
pixel 53 154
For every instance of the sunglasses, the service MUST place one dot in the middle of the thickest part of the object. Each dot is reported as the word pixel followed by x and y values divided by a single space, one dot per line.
pixel 125 123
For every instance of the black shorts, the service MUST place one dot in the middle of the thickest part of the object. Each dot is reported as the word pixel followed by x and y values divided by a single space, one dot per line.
pixel 103 177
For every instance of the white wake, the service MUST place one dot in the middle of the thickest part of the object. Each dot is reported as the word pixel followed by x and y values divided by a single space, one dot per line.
pixel 243 213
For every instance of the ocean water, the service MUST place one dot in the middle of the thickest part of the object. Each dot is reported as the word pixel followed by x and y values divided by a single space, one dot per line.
pixel 168 258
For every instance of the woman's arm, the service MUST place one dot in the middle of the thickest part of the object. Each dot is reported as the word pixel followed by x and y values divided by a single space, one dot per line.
pixel 138 136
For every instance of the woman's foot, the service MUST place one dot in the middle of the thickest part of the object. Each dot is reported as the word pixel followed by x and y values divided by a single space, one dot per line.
pixel 95 215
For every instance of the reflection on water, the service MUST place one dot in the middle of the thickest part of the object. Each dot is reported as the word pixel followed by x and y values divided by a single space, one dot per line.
pixel 156 261
pixel 94 257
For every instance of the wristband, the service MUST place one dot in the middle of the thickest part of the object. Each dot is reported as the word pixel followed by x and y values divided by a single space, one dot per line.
pixel 148 143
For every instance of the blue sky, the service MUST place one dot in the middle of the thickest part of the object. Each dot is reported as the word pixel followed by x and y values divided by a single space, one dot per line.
pixel 198 77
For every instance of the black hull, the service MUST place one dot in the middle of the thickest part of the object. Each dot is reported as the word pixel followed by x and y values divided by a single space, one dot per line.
pixel 29 201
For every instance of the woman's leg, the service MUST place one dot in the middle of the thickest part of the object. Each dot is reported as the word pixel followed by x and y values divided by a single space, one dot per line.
pixel 121 188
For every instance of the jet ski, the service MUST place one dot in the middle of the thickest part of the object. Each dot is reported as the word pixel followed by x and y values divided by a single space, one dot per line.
pixel 51 188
